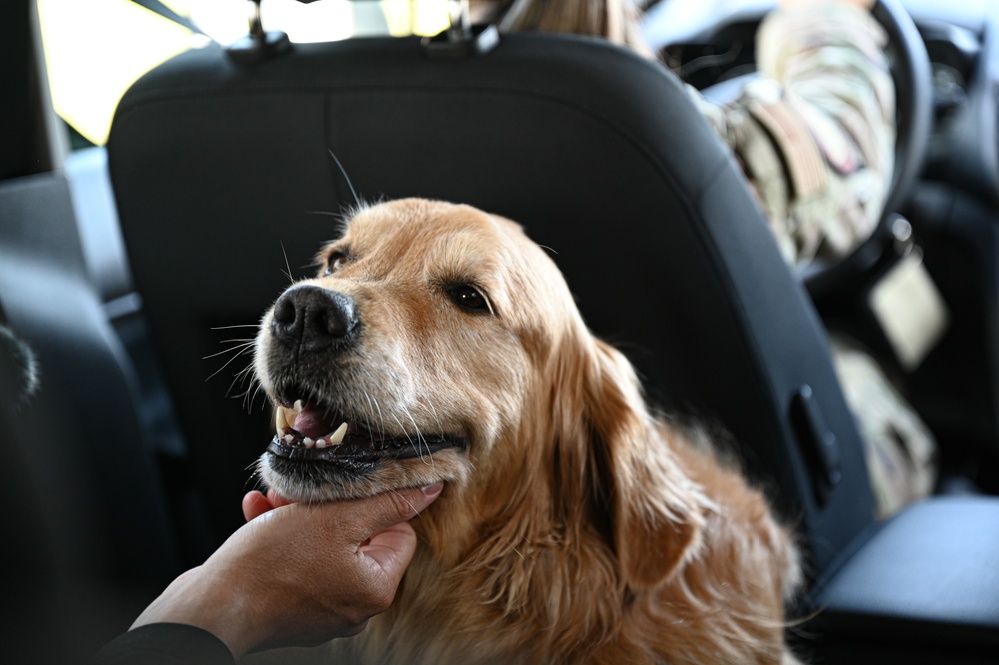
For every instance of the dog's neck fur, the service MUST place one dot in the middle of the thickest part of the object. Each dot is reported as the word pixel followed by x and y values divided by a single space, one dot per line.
pixel 590 548
pixel 516 559
pixel 519 565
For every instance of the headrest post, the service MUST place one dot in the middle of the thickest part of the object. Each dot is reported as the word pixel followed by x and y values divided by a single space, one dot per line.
pixel 258 44
pixel 461 39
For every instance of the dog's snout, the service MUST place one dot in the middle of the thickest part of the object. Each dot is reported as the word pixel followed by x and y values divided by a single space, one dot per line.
pixel 315 318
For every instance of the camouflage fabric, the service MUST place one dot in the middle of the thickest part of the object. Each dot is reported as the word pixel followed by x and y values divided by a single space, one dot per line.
pixel 901 453
pixel 815 136
pixel 815 133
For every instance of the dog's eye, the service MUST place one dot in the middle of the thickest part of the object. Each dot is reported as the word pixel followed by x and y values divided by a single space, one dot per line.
pixel 469 299
pixel 335 261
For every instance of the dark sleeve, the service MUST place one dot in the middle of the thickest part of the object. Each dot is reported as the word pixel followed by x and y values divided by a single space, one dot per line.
pixel 165 644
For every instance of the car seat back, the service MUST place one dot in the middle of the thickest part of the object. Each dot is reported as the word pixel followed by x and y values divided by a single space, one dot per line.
pixel 90 543
pixel 221 169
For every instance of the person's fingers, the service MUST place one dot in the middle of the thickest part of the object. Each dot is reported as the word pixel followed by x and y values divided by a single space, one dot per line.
pixel 392 550
pixel 255 504
pixel 367 517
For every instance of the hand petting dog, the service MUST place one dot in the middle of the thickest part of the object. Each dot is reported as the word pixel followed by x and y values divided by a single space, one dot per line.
pixel 298 574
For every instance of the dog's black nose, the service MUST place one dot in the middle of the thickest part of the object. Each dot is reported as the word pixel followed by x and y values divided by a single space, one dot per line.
pixel 314 318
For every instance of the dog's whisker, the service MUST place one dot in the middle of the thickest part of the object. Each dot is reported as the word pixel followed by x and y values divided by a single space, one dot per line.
pixel 244 374
pixel 420 441
pixel 440 428
pixel 371 409
pixel 249 395
pixel 287 264
pixel 417 447
pixel 255 481
pixel 343 172
pixel 436 416
pixel 240 348
pixel 381 417
pixel 256 391
pixel 235 379
pixel 241 378
pixel 402 428
pixel 241 325
pixel 242 352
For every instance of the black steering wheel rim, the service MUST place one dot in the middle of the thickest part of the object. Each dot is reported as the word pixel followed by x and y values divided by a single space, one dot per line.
pixel 910 69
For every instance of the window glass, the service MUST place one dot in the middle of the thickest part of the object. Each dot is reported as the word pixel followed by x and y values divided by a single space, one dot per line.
pixel 94 50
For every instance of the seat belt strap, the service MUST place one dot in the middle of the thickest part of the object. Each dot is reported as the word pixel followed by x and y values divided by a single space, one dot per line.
pixel 159 8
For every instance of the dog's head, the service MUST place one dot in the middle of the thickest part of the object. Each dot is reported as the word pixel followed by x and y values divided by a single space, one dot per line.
pixel 439 343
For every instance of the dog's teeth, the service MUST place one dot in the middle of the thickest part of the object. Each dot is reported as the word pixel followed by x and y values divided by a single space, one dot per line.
pixel 298 406
pixel 280 422
pixel 288 438
pixel 320 443
pixel 308 442
pixel 336 438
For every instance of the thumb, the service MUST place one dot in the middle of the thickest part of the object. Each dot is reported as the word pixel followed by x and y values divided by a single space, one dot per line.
pixel 393 542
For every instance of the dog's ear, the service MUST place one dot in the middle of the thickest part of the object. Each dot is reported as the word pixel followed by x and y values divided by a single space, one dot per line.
pixel 615 462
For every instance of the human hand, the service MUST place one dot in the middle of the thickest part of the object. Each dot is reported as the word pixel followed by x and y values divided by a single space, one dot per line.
pixel 297 574
pixel 256 504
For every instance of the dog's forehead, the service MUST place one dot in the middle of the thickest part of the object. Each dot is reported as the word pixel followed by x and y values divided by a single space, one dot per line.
pixel 454 234
pixel 458 243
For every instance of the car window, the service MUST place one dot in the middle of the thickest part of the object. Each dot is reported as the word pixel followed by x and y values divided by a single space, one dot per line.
pixel 95 50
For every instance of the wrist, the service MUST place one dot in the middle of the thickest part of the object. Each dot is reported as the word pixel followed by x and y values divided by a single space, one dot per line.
pixel 211 603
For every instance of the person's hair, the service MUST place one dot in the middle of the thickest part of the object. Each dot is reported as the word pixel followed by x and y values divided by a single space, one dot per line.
pixel 615 20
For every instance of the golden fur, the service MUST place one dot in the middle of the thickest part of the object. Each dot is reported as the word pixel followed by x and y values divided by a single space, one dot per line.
pixel 577 527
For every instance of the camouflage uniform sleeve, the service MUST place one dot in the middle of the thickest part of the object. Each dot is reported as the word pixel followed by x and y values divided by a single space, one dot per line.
pixel 815 134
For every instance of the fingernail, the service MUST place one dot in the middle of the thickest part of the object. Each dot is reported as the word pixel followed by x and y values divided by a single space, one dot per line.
pixel 433 490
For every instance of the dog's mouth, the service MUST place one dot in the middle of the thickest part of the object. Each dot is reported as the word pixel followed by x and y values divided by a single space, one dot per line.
pixel 308 431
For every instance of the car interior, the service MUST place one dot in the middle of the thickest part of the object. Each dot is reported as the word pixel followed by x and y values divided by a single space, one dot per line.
pixel 132 424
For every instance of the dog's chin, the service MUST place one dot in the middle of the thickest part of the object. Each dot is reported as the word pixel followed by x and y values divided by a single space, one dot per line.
pixel 327 477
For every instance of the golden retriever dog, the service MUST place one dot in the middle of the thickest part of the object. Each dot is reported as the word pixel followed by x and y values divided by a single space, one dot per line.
pixel 438 343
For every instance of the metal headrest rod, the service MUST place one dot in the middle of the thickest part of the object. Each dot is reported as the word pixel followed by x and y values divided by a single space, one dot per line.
pixel 461 39
pixel 259 44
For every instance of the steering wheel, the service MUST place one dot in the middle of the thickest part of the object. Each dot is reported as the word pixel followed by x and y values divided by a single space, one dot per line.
pixel 910 69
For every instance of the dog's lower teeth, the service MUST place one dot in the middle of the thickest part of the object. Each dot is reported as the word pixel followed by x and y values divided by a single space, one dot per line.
pixel 288 438
pixel 308 442
pixel 321 443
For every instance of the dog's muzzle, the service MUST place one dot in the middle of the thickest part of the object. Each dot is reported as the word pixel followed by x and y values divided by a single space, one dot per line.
pixel 313 333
